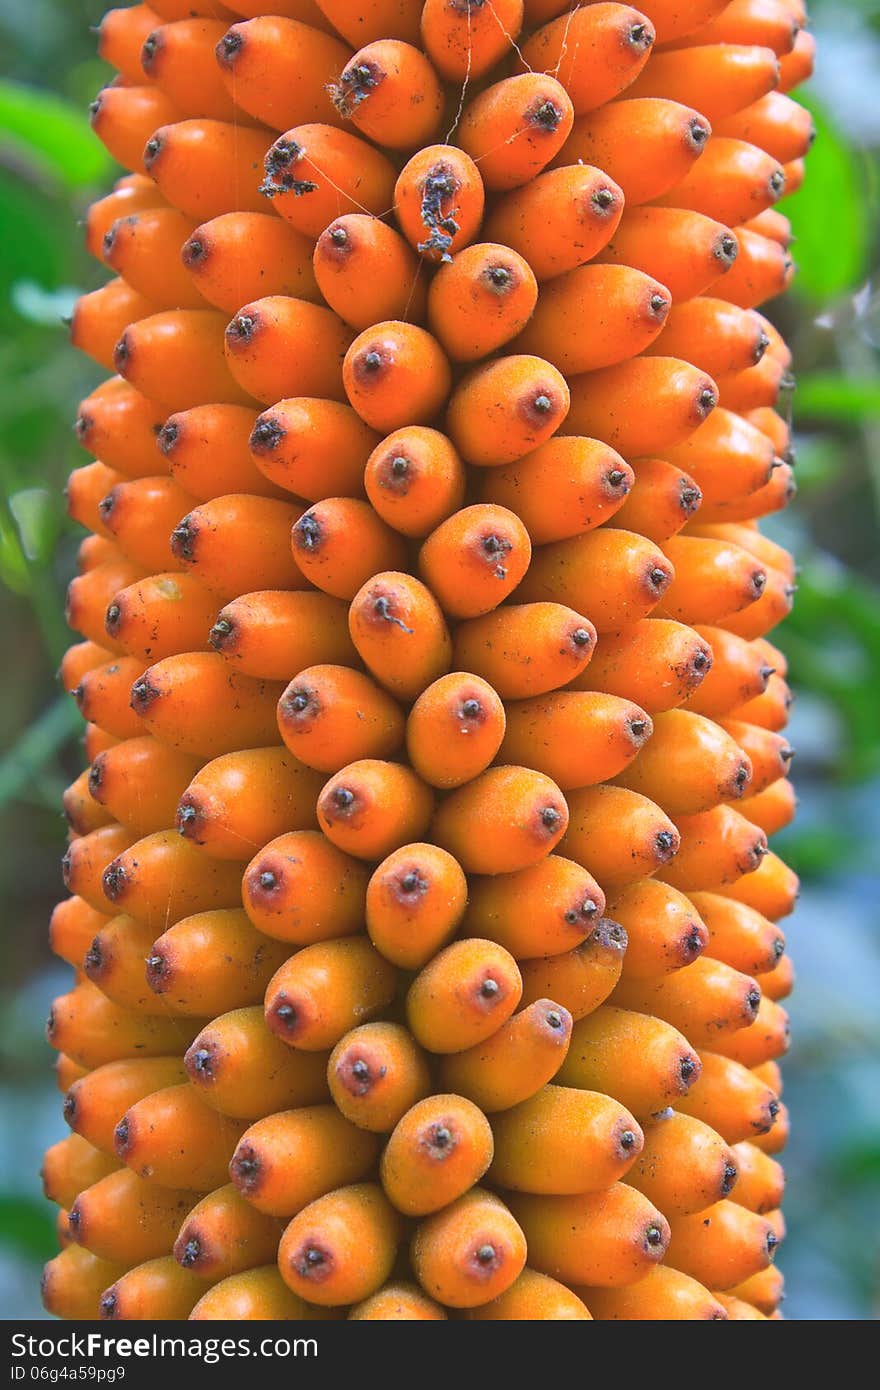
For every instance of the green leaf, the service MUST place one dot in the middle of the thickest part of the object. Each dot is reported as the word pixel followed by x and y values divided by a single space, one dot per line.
pixel 26 1225
pixel 35 236
pixel 829 214
pixel 37 746
pixel 51 136
pixel 830 396
pixel 36 517
pixel 13 565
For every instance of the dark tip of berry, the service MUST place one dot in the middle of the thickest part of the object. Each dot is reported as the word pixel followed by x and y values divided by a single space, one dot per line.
pixel 699 131
pixel 109 1306
pixel 665 842
pixel 143 693
pixel 382 609
pixel 777 182
pixel 343 798
pixel 581 637
pixel 627 1139
pixel 220 633
pixel 168 437
pixel 686 1068
pixel 728 248
pixel 201 1061
pixel 654 1237
pixel 610 932
pixel 691 497
pixel 659 303
pixel 339 236
pixel 542 404
pixel 485 1254
pixel 193 251
pixel 554 1020
pixel 157 967
pixel 183 538
pixel 499 277
pixel 441 1137
pixel 371 361
pixel 489 988
pixel 707 399
pixel 773 1109
pixel 241 329
pixel 550 817
pixel 151 46
pixel 413 882
pixel 693 943
pixel 121 353
pixel 658 577
pixel 94 958
pixel 229 46
pixel 308 532
pixel 616 477
pixel 729 1178
pixel 547 116
pixel 192 1252
pixel 113 880
pixel 266 434
pixel 604 198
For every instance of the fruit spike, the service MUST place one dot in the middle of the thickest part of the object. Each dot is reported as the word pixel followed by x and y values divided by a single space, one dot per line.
pixel 435 736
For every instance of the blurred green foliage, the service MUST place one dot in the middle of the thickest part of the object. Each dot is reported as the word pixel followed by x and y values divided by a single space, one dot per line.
pixel 50 168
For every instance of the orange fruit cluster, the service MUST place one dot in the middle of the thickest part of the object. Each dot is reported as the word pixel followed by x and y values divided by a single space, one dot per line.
pixel 422 915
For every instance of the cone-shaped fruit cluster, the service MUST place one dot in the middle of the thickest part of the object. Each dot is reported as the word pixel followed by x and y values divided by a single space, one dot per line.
pixel 422 914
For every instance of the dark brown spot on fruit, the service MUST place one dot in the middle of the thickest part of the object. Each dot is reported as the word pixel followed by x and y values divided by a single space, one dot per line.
pixel 229 48
pixel 546 116
pixel 313 1262
pixel 184 538
pixel 266 435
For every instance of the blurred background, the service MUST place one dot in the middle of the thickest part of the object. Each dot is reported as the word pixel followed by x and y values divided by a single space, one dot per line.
pixel 50 169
